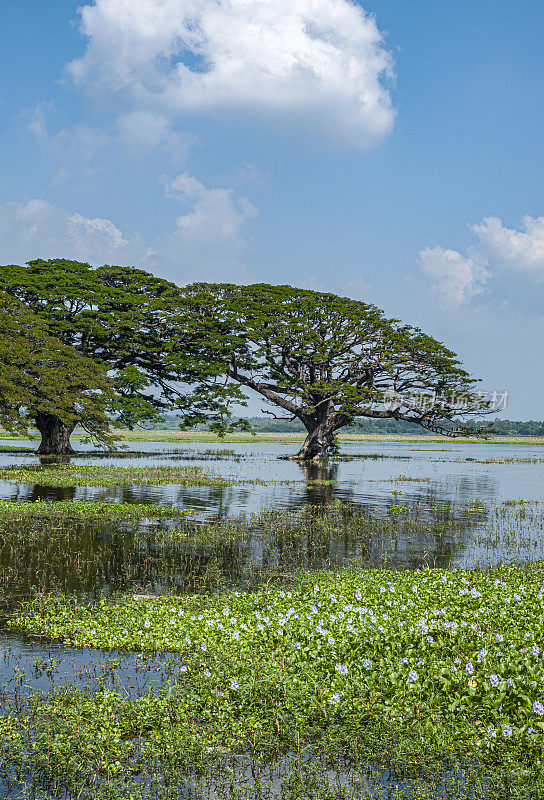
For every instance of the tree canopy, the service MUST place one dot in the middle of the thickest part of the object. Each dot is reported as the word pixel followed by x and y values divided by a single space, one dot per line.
pixel 123 319
pixel 41 377
pixel 327 360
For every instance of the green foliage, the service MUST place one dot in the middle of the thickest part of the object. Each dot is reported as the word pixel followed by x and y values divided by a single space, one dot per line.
pixel 460 649
pixel 120 317
pixel 41 375
pixel 323 359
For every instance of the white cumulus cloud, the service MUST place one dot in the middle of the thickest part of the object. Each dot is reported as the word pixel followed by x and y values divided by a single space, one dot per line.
pixel 206 242
pixel 523 249
pixel 36 229
pixel 454 278
pixel 321 64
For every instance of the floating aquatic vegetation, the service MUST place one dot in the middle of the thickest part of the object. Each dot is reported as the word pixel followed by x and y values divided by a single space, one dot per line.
pixel 87 509
pixel 64 475
pixel 463 647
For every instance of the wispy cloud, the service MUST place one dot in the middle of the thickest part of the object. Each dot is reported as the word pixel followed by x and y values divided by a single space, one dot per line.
pixel 519 249
pixel 206 243
pixel 454 279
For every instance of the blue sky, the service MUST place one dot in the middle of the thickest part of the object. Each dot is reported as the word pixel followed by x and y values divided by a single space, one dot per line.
pixel 387 151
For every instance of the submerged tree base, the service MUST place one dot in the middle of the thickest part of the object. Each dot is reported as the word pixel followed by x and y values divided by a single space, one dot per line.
pixel 55 436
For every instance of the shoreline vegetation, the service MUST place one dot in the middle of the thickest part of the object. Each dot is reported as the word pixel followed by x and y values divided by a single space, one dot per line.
pixel 190 437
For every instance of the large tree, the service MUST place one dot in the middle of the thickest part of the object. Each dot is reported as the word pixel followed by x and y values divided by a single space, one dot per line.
pixel 122 319
pixel 41 378
pixel 326 360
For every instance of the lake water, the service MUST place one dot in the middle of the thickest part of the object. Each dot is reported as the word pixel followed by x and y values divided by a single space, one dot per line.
pixel 367 473
pixel 455 492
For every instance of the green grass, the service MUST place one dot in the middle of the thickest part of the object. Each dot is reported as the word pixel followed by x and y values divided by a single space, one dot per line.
pixel 289 438
pixel 65 475
pixel 85 509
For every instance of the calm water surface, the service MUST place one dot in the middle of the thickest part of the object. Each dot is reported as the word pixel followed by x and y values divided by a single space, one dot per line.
pixel 448 473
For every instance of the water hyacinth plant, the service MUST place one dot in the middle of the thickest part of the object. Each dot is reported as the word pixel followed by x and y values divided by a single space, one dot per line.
pixel 338 650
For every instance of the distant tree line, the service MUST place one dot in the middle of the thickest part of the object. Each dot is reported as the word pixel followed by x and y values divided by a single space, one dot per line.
pixel 501 427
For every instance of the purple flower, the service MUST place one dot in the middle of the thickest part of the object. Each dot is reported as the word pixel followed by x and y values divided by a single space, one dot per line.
pixel 494 680
pixel 367 663
pixel 499 638
pixel 412 676
pixel 341 669
pixel 536 650
pixel 335 698
pixel 147 624
pixel 469 669
pixel 538 708
pixel 234 685
pixel 507 731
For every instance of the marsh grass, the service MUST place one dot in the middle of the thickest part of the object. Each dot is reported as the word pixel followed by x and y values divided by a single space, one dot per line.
pixel 67 475
pixel 86 510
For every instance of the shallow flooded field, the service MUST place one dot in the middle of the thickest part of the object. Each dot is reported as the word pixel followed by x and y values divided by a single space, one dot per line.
pixel 199 520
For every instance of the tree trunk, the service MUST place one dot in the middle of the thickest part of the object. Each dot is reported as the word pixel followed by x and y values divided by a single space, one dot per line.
pixel 55 435
pixel 316 445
